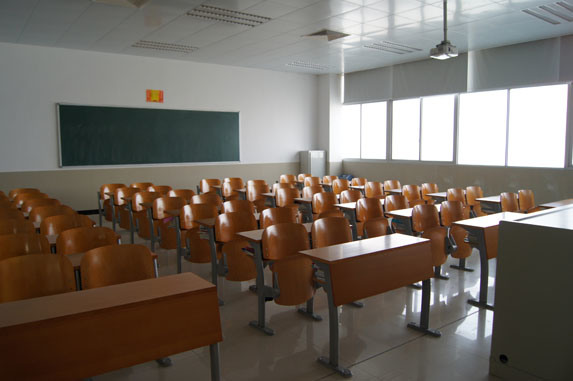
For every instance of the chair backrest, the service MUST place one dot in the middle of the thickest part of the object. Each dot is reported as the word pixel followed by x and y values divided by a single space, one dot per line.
pixel 429 188
pixel 350 195
pixel 392 184
pixel 284 240
pixel 395 202
pixel 338 185
pixel 238 206
pixel 33 276
pixel 321 202
pixel 115 264
pixel 374 189
pixel 141 186
pixel 10 212
pixel 208 198
pixel 141 197
pixel 230 184
pixel 509 202
pixel 412 193
pixel 359 181
pixel 6 204
pixel 286 196
pixel 54 225
pixel 161 189
pixel 15 192
pixel 29 204
pixel 425 217
pixel 273 216
pixel 376 227
pixel 452 211
pixel 255 191
pixel 277 186
pixel 82 239
pixel 206 185
pixel 330 231
pixel 291 179
pixel 526 199
pixel 16 226
pixel 39 213
pixel 193 212
pixel 330 213
pixel 161 204
pixel 472 193
pixel 228 224
pixel 309 191
pixel 328 179
pixel 23 197
pixel 185 194
pixel 302 176
pixel 256 182
pixel 311 180
pixel 12 245
pixel 108 188
pixel 120 193
pixel 456 194
pixel 369 208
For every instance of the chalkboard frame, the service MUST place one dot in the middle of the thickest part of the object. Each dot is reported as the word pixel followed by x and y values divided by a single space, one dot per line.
pixel 232 116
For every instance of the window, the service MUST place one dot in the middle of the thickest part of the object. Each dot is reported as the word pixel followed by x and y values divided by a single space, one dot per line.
pixel 482 128
pixel 373 132
pixel 406 129
pixel 349 137
pixel 537 123
pixel 438 128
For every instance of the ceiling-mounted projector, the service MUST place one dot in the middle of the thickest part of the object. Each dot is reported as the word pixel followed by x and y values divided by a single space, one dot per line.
pixel 444 49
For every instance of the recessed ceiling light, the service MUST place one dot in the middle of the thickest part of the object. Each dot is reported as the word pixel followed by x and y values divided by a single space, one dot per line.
pixel 561 9
pixel 208 12
pixel 124 3
pixel 307 65
pixel 392 47
pixel 164 46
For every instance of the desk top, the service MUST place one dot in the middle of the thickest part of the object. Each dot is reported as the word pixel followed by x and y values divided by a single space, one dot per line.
pixel 268 194
pixel 76 259
pixel 494 199
pixel 146 204
pixel 257 235
pixel 394 191
pixel 489 220
pixel 346 205
pixel 86 301
pixel 350 250
pixel 173 212
pixel 357 187
pixel 438 195
pixel 303 200
pixel 407 213
pixel 208 222
pixel 557 204
pixel 127 198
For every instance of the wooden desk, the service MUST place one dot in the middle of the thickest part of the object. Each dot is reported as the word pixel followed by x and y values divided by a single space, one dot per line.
pixel 305 205
pixel 264 292
pixel 483 235
pixel 491 204
pixel 438 197
pixel 359 269
pixel 557 204
pixel 270 197
pixel 403 218
pixel 361 188
pixel 81 334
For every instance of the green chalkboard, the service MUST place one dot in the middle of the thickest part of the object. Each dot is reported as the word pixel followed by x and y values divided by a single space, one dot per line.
pixel 95 135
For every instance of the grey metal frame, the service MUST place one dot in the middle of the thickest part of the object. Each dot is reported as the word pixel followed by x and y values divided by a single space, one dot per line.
pixel 476 238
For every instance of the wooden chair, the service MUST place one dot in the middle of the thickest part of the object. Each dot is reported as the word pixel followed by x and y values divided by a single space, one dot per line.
pixel 527 201
pixel 55 225
pixel 452 211
pixel 82 239
pixel 472 193
pixel 238 206
pixel 32 203
pixel 330 231
pixel 376 227
pixel 256 182
pixel 36 275
pixel 161 189
pixel 324 201
pixel 456 194
pixel 10 213
pixel 104 202
pixel 290 179
pixel 339 185
pixel 413 194
pixel 302 176
pixel 329 213
pixel 197 249
pixel 230 184
pixel 12 245
pixel 395 202
pixel 273 216
pixel 509 202
pixel 141 186
pixel 285 198
pixel 39 213
pixel 350 195
pixel 359 181
pixel 426 223
pixel 329 179
pixel 122 206
pixel 277 186
pixel 312 181
pixel 208 185
pixel 185 194
pixel 15 192
pixel 16 226
pixel 208 198
pixel 368 209
pixel 374 189
pixel 167 237
pixel 241 267
pixel 255 195
pixel 391 184
pixel 140 215
pixel 7 204
pixel 309 191
pixel 23 197
pixel 429 188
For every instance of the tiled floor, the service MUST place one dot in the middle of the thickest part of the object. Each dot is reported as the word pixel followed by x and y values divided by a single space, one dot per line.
pixel 374 341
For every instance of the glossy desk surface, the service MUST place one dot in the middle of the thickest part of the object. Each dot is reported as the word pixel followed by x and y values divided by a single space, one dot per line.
pixel 489 220
pixel 494 199
pixel 257 235
pixel 557 204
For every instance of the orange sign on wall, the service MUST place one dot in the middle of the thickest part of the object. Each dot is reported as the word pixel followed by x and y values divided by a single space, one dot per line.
pixel 154 96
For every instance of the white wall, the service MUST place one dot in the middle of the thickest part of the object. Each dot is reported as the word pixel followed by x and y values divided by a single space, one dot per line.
pixel 278 111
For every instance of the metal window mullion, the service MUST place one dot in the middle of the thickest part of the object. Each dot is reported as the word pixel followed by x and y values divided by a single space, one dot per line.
pixel 420 130
pixel 569 129
pixel 455 137
pixel 507 128
pixel 360 121
pixel 389 127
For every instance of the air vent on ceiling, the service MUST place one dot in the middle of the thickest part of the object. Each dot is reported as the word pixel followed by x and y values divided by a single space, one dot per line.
pixel 164 46
pixel 328 35
pixel 392 47
pixel 208 12
pixel 307 65
pixel 124 3
pixel 552 13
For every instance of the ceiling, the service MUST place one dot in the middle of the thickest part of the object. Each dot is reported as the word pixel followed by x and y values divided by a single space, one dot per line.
pixel 278 43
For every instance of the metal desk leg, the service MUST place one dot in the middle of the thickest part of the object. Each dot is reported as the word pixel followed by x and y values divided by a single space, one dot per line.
pixel 131 224
pixel 263 292
pixel 309 310
pixel 112 205
pixel 462 266
pixel 100 208
pixel 332 361
pixel 78 279
pixel 151 229
pixel 215 367
pixel 438 273
pixel 425 313
pixel 351 217
pixel 306 210
pixel 178 232
pixel 214 267
pixel 478 239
